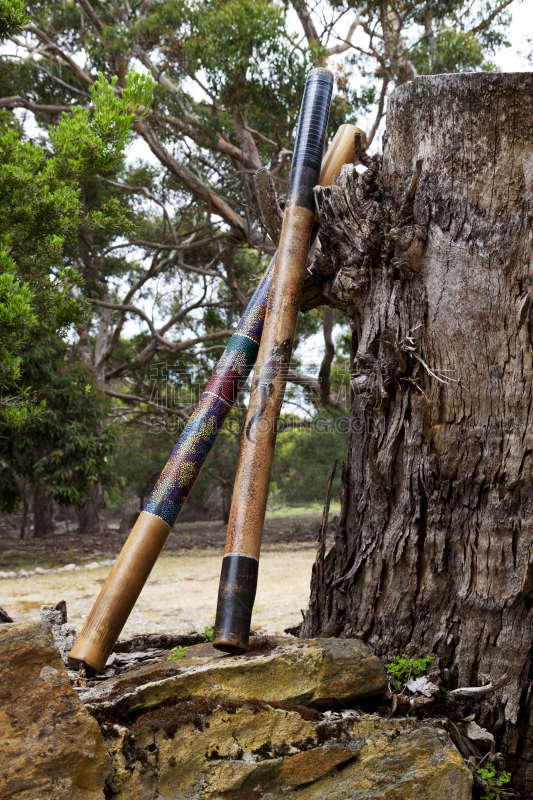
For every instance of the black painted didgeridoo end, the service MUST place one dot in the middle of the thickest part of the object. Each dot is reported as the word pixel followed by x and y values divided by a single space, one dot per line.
pixel 236 595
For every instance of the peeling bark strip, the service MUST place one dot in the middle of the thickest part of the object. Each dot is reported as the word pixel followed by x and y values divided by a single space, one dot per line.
pixel 433 551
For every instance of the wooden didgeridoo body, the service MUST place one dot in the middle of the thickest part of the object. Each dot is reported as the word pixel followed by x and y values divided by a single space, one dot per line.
pixel 147 538
pixel 238 579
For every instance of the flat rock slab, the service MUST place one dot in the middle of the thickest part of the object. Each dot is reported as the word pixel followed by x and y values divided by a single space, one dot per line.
pixel 318 673
pixel 193 751
pixel 50 746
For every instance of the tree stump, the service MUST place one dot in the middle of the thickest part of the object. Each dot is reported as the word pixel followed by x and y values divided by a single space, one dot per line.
pixel 433 268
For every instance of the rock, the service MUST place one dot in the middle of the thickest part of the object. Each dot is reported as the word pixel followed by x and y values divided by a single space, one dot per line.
pixel 51 747
pixel 54 615
pixel 476 733
pixel 422 685
pixel 4 616
pixel 65 634
pixel 317 673
pixel 64 638
pixel 239 752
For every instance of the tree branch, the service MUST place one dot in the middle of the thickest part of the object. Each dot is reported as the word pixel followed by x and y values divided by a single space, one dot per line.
pixel 91 15
pixel 178 348
pixel 379 114
pixel 486 22
pixel 268 204
pixel 132 398
pixel 347 43
pixel 239 228
pixel 304 15
pixel 21 102
pixel 314 384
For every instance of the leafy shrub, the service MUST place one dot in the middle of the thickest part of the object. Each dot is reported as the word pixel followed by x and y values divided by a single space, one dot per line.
pixel 402 668
pixel 494 781
pixel 177 652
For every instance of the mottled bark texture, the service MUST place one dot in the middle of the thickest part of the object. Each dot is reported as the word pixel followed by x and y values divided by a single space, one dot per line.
pixel 43 512
pixel 92 517
pixel 433 552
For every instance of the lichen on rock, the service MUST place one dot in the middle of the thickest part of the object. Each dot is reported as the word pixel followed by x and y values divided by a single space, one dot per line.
pixel 239 753
pixel 51 747
pixel 315 673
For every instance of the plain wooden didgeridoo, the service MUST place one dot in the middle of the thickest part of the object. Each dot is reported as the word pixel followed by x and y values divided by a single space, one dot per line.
pixel 147 538
pixel 238 579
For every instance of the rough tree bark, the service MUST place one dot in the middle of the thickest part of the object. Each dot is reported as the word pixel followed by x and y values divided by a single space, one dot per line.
pixel 434 269
pixel 43 512
pixel 92 517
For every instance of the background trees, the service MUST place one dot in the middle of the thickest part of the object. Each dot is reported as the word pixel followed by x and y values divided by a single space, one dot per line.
pixel 166 289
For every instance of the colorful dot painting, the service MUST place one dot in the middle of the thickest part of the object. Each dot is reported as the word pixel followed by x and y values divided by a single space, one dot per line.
pixel 174 485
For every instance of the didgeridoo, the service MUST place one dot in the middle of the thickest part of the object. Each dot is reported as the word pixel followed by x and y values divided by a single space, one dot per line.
pixel 145 542
pixel 238 579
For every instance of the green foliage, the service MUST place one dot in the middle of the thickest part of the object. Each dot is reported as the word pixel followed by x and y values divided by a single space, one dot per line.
pixel 177 652
pixel 208 634
pixel 454 51
pixel 258 53
pixel 494 779
pixel 13 16
pixel 402 668
pixel 304 458
pixel 42 213
pixel 139 458
pixel 88 142
pixel 68 445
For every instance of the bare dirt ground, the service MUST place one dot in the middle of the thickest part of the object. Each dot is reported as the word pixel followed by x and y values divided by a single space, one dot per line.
pixel 180 595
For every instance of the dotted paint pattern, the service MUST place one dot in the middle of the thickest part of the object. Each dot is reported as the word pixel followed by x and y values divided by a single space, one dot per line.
pixel 174 485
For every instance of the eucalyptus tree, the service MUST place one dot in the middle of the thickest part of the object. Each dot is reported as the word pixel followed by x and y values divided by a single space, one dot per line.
pixel 229 76
pixel 229 79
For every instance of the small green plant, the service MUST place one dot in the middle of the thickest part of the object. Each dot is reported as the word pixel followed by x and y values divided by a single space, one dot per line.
pixel 177 652
pixel 494 781
pixel 402 668
pixel 208 634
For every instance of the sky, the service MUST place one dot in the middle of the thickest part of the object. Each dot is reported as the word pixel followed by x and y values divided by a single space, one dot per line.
pixel 512 59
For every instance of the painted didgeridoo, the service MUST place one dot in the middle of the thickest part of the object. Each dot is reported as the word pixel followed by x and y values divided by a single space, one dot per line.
pixel 238 579
pixel 143 546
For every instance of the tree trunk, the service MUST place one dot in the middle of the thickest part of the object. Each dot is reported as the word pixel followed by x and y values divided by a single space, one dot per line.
pixel 227 482
pixel 24 521
pixel 434 269
pixel 43 512
pixel 92 517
